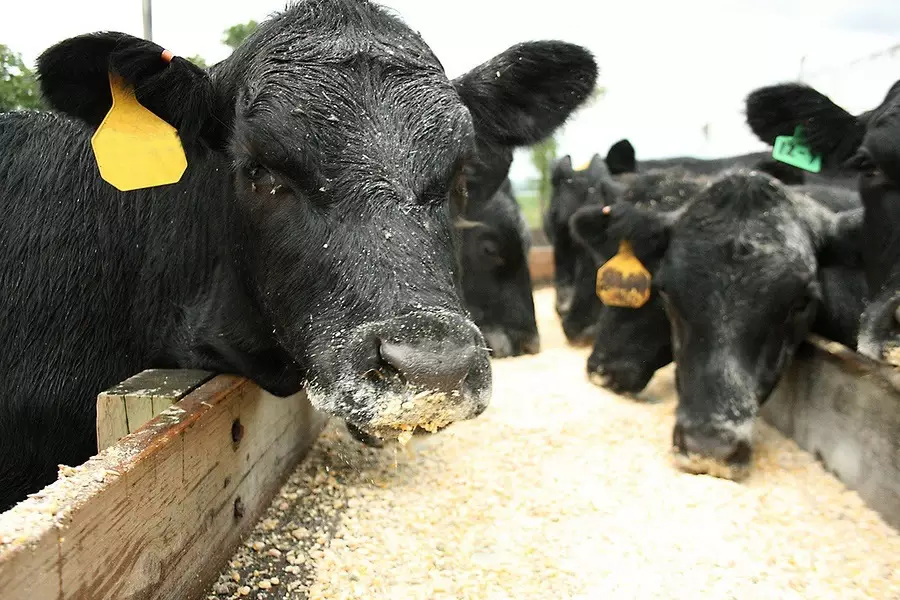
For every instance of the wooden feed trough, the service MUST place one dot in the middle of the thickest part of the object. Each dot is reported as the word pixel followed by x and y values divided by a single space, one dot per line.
pixel 188 463
pixel 540 265
pixel 845 410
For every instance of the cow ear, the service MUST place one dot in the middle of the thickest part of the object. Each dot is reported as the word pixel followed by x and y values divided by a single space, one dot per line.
pixel 599 229
pixel 562 169
pixel 840 243
pixel 74 79
pixel 597 169
pixel 621 158
pixel 829 129
pixel 524 94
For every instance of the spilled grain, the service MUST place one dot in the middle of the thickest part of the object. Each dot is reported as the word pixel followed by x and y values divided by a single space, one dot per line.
pixel 560 490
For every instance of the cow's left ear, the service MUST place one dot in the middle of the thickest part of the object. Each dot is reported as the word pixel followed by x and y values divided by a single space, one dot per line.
pixel 840 242
pixel 524 94
pixel 74 76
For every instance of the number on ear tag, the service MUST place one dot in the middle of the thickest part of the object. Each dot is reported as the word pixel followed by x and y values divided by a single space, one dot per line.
pixel 134 148
pixel 623 281
pixel 793 150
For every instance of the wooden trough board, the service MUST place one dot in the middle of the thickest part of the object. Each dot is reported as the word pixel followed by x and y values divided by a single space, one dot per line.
pixel 157 513
pixel 540 264
pixel 845 409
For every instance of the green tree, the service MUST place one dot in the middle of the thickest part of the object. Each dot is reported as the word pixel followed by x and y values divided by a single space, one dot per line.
pixel 543 155
pixel 18 85
pixel 198 60
pixel 236 34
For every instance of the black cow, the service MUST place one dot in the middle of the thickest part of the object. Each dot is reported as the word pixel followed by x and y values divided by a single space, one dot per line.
pixel 577 304
pixel 631 344
pixel 737 268
pixel 309 244
pixel 573 189
pixel 496 281
pixel 865 147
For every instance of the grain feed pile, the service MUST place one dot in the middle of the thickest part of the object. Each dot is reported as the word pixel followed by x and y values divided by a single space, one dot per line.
pixel 560 490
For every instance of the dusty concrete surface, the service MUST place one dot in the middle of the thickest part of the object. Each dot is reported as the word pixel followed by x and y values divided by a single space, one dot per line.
pixel 560 490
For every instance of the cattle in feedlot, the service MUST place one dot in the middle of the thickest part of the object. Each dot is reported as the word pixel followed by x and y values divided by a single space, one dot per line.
pixel 743 270
pixel 310 242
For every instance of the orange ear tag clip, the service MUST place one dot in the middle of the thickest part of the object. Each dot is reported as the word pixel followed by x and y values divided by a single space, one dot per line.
pixel 134 148
pixel 623 281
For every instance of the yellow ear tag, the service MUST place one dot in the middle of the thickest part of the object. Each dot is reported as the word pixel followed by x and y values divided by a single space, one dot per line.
pixel 134 148
pixel 623 281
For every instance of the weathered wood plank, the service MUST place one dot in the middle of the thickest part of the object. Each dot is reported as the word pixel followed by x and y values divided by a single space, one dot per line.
pixel 540 264
pixel 129 405
pixel 154 516
pixel 845 409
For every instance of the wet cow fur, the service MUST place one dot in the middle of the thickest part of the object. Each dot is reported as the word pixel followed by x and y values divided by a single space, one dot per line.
pixel 738 271
pixel 309 244
pixel 495 277
pixel 865 145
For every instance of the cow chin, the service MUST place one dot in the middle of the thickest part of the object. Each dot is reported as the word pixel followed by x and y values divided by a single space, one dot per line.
pixel 413 374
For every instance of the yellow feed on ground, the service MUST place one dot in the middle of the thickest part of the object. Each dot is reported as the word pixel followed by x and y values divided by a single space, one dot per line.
pixel 561 490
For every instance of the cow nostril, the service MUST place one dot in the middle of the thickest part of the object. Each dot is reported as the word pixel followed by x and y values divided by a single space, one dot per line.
pixel 741 454
pixel 433 368
pixel 678 438
pixel 532 345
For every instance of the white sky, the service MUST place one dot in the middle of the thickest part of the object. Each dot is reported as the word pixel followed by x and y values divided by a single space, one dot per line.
pixel 670 66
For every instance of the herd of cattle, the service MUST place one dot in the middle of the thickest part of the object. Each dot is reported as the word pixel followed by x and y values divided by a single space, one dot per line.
pixel 747 256
pixel 345 226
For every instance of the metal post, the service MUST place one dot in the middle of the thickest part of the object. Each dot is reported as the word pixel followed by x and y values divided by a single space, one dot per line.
pixel 148 21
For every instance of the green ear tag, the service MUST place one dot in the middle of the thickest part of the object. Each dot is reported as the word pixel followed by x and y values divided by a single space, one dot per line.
pixel 793 151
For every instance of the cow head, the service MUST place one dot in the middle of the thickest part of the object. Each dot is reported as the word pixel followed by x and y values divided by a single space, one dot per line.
pixel 736 271
pixel 495 277
pixel 345 145
pixel 631 344
pixel 573 189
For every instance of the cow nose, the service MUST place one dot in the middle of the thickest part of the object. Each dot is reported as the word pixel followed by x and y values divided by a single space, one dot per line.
pixel 532 345
pixel 430 366
pixel 720 444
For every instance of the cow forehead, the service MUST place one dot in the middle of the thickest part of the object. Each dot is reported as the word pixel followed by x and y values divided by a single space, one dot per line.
pixel 360 117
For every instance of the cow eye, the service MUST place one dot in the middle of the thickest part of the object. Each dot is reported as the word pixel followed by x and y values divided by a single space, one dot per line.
pixel 801 306
pixel 263 182
pixel 490 249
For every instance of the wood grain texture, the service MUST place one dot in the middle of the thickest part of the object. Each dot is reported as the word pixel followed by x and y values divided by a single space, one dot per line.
pixel 153 517
pixel 126 407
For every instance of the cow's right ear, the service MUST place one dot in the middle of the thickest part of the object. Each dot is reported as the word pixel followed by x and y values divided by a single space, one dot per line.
pixel 599 229
pixel 829 129
pixel 621 158
pixel 74 79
